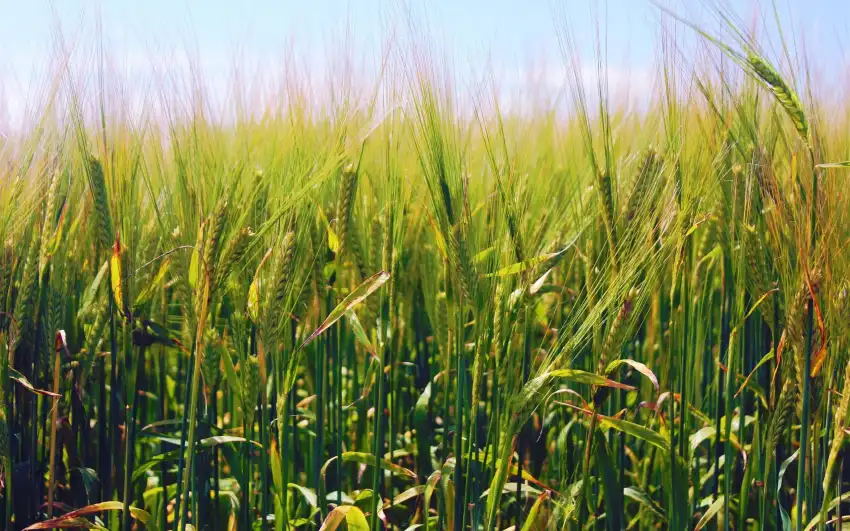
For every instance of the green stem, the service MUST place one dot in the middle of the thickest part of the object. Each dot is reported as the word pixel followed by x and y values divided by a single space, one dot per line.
pixel 804 426
pixel 193 405
pixel 131 442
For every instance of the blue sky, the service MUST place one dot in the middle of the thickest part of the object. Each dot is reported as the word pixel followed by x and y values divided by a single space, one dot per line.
pixel 518 40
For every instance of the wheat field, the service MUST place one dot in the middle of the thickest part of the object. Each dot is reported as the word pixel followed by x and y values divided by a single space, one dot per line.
pixel 401 312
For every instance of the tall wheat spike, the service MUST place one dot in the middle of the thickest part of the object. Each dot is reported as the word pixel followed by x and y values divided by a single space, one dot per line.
pixel 786 97
pixel 376 260
pixel 7 265
pixel 345 204
pixel 27 293
pixel 795 326
pixel 94 338
pixel 250 373
pixel 213 233
pixel 211 362
pixel 462 266
pixel 781 420
pixel 497 323
pixel 614 342
pixel 103 216
pixel 49 221
pixel 643 186
pixel 616 332
pixel 355 244
pixel 606 207
pixel 758 272
pixel 232 254
pixel 283 284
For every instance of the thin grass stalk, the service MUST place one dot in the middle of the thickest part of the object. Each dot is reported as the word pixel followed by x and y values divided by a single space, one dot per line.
pixel 193 405
pixel 6 415
pixel 806 413
pixel 378 424
pixel 837 443
pixel 460 374
pixel 129 462
pixel 51 486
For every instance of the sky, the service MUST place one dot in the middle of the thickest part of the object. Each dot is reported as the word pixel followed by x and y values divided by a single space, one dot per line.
pixel 517 42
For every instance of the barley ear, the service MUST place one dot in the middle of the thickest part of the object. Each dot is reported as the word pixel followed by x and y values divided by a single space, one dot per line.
pixel 614 342
pixel 27 294
pixel 49 222
pixel 211 363
pixel 97 182
pixel 250 373
pixel 7 260
pixel 345 204
pixel 213 234
pixel 231 255
pixel 795 326
pixel 784 94
pixel 781 419
pixel 462 266
pixel 606 206
pixel 283 283
pixel 642 187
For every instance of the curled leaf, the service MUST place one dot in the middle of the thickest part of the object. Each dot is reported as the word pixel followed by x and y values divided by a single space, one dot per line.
pixel 636 365
pixel 369 286
pixel 21 379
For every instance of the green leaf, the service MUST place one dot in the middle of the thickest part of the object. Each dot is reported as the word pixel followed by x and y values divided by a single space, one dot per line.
pixel 369 286
pixel 353 517
pixel 232 378
pixel 479 457
pixel 21 379
pixel 63 521
pixel 499 478
pixel 636 365
pixel 154 461
pixel 147 293
pixel 519 267
pixel 531 520
pixel 829 508
pixel 91 291
pixel 422 425
pixel 369 459
pixel 710 513
pixel 767 357
pixel 613 494
pixel 842 164
pixel 308 494
pixel 409 494
pixel 359 333
pixel 584 377
pixel 218 440
pixel 636 430
pixel 526 490
pixel 639 496
pixel 483 255
pixel 430 485
pixel 171 455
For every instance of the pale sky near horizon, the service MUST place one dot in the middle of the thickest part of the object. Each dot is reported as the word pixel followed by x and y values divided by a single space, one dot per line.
pixel 517 40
